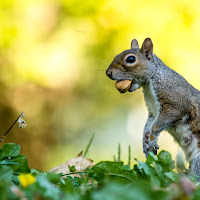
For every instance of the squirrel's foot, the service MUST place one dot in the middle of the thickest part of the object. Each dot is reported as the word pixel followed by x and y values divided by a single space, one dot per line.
pixel 149 146
pixel 153 146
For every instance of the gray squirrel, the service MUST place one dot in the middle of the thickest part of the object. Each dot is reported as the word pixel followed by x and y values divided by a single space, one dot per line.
pixel 173 104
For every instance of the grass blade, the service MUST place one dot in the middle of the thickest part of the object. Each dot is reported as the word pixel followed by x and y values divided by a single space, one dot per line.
pixel 115 160
pixel 129 155
pixel 119 153
pixel 88 146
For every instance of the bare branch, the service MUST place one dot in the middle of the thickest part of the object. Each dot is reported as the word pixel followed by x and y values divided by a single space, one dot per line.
pixel 20 116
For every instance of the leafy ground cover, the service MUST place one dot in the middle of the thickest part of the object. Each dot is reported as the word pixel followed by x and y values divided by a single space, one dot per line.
pixel 108 180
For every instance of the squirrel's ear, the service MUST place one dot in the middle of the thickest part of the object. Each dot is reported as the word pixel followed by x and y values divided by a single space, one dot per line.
pixel 134 44
pixel 147 48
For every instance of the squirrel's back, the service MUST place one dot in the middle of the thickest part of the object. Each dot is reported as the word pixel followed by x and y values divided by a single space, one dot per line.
pixel 172 88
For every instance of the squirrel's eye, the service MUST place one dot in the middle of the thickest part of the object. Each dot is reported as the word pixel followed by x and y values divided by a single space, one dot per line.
pixel 131 59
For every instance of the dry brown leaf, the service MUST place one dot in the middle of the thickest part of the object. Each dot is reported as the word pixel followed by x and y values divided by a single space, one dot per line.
pixel 80 162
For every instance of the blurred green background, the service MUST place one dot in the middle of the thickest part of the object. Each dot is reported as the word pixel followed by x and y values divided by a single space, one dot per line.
pixel 53 58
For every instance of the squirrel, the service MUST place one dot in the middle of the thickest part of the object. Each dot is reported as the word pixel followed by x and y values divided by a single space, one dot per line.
pixel 173 103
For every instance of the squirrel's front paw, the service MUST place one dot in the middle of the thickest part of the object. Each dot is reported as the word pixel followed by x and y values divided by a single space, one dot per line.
pixel 148 145
pixel 153 147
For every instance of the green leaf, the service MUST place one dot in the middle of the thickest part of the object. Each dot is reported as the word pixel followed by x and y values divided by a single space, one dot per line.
pixel 72 168
pixel 36 172
pixel 126 167
pixel 70 190
pixel 106 166
pixel 47 188
pixel 146 168
pixel 159 170
pixel 196 194
pixel 138 190
pixel 10 150
pixel 6 173
pixel 165 157
pixel 155 181
pixel 52 177
pixel 151 158
pixel 163 179
pixel 8 162
pixel 165 160
pixel 172 176
pixel 1 154
pixel 6 192
pixel 106 170
pixel 22 166
pixel 68 186
pixel 169 167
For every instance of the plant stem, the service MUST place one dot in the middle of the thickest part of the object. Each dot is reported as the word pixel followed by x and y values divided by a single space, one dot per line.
pixel 1 139
pixel 74 173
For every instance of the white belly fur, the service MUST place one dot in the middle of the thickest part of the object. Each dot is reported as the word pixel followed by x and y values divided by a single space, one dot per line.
pixel 151 99
pixel 184 137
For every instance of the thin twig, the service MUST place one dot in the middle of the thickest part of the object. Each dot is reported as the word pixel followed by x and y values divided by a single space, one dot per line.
pixel 21 115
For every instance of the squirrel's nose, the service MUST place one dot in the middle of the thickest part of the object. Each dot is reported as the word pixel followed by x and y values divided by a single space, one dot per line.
pixel 109 73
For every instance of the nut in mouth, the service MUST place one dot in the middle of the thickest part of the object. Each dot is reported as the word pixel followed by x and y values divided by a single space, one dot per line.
pixel 123 85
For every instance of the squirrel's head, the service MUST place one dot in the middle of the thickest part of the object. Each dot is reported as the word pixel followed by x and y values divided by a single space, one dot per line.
pixel 134 64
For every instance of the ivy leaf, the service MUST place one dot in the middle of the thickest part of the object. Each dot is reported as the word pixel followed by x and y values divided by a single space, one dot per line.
pixel 10 150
